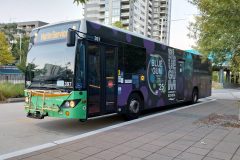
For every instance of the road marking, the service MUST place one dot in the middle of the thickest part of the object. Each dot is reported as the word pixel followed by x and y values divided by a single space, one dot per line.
pixel 54 143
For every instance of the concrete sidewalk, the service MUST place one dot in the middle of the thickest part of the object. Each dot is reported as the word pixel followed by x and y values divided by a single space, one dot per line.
pixel 175 135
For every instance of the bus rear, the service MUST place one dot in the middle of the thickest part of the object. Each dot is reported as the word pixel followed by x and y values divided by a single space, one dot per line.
pixel 50 75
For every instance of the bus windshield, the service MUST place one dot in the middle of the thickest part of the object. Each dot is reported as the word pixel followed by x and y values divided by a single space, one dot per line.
pixel 50 63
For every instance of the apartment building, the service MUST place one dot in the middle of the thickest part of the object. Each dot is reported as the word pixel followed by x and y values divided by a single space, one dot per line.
pixel 30 25
pixel 161 20
pixel 145 17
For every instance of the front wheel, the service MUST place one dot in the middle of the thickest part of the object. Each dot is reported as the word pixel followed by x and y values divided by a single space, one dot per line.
pixel 194 96
pixel 134 107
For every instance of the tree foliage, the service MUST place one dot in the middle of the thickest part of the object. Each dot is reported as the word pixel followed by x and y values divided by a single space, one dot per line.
pixel 5 53
pixel 12 34
pixel 9 30
pixel 79 1
pixel 21 55
pixel 217 29
pixel 118 24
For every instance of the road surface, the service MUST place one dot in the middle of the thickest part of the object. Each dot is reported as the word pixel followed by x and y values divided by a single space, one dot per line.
pixel 19 132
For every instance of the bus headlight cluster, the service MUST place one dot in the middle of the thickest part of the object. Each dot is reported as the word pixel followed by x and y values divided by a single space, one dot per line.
pixel 70 103
pixel 26 99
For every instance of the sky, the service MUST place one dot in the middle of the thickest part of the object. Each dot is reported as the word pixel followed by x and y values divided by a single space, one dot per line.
pixel 60 10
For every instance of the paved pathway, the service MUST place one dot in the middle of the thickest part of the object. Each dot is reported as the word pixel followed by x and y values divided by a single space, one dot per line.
pixel 166 137
pixel 233 94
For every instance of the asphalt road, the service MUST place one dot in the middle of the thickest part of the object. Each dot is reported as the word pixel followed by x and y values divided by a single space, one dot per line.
pixel 19 132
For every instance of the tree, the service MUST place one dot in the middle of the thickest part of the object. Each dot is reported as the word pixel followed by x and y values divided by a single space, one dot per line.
pixel 9 30
pixel 5 54
pixel 118 24
pixel 21 55
pixel 12 34
pixel 217 30
pixel 80 1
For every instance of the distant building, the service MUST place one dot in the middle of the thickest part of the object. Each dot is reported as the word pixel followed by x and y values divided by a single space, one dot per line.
pixel 161 20
pixel 11 74
pixel 30 25
pixel 150 18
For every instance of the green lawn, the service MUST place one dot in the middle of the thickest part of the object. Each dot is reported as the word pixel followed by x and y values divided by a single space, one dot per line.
pixel 9 90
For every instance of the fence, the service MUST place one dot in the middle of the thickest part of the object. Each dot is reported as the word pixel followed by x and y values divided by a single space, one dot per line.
pixel 12 78
pixel 11 74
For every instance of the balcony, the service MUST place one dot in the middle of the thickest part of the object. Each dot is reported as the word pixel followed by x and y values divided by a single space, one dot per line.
pixel 102 16
pixel 125 7
pixel 102 9
pixel 125 1
pixel 149 27
pixel 125 15
pixel 149 21
pixel 125 22
pixel 150 3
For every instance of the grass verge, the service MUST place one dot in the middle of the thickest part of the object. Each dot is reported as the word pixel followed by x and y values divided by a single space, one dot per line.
pixel 9 90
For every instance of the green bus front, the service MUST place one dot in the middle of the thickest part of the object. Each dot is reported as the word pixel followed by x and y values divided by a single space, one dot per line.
pixel 52 74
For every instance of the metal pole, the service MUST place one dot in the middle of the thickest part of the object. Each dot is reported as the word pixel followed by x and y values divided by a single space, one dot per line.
pixel 20 47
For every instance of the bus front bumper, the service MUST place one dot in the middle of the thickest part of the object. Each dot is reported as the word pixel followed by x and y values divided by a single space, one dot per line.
pixel 39 104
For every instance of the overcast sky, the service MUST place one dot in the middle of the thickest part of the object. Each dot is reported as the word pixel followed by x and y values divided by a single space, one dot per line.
pixel 59 10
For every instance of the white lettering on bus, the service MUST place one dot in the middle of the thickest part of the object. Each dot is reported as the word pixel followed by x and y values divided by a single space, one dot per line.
pixel 171 74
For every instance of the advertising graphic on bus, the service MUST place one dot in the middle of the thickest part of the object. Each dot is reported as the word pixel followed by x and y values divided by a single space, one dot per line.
pixel 82 69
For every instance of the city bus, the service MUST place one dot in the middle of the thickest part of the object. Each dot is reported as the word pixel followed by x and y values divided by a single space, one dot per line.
pixel 82 69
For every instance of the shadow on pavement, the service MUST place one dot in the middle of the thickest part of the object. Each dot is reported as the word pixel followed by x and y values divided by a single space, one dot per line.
pixel 73 127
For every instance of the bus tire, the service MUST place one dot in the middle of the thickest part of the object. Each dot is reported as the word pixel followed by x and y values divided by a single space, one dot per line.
pixel 194 96
pixel 134 106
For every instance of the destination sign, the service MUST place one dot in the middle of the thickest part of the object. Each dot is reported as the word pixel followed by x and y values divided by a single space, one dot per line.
pixel 53 35
pixel 55 32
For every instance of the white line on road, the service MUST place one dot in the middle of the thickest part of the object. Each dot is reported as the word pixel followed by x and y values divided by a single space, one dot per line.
pixel 54 143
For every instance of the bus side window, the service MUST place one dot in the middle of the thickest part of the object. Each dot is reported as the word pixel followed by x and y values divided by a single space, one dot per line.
pixel 134 59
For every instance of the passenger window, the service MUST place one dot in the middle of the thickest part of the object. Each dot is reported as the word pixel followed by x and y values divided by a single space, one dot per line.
pixel 134 59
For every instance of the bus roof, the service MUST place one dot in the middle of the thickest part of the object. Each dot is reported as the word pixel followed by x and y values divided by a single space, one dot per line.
pixel 111 27
pixel 53 24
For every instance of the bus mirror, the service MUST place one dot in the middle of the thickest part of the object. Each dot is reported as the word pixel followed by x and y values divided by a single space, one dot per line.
pixel 71 38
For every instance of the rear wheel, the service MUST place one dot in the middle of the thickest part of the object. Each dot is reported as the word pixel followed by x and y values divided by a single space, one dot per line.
pixel 134 107
pixel 195 96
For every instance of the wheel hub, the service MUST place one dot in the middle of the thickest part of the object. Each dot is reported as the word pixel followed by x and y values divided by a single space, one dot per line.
pixel 134 106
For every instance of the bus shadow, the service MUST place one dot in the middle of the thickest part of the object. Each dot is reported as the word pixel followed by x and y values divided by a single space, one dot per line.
pixel 75 127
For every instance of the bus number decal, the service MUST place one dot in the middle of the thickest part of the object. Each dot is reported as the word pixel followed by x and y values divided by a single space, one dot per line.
pixel 67 84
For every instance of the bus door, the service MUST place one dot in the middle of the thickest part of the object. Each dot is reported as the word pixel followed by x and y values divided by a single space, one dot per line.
pixel 102 77
pixel 110 78
pixel 180 80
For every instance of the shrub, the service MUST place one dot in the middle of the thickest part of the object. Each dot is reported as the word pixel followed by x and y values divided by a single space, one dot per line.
pixel 215 77
pixel 9 90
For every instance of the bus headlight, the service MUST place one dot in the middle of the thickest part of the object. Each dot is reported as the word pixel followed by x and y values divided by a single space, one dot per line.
pixel 26 99
pixel 67 104
pixel 70 103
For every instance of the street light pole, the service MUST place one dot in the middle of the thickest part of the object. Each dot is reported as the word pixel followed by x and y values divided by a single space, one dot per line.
pixel 20 46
